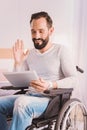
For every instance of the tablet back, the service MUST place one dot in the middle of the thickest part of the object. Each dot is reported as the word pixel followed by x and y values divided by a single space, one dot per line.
pixel 21 79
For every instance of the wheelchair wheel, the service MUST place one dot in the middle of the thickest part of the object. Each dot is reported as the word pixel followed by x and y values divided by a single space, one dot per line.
pixel 73 116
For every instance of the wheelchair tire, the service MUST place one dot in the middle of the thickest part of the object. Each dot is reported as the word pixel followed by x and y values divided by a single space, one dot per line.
pixel 73 116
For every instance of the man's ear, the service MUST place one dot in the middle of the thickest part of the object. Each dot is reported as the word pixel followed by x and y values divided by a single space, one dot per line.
pixel 51 30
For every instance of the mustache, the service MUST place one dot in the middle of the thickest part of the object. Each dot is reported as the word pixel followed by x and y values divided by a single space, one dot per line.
pixel 34 39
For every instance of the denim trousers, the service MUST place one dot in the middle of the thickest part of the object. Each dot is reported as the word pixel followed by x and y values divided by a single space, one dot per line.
pixel 23 108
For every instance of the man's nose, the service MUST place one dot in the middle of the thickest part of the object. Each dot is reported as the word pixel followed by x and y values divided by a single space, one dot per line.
pixel 37 36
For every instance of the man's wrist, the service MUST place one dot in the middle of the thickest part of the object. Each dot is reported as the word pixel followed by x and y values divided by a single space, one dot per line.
pixel 55 86
pixel 17 63
pixel 50 86
pixel 17 66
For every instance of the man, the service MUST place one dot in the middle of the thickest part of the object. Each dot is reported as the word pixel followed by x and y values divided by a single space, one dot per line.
pixel 53 65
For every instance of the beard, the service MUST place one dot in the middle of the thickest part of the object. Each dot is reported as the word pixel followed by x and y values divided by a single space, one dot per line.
pixel 42 45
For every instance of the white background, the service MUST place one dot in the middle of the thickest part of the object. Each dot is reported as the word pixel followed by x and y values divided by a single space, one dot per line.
pixel 70 23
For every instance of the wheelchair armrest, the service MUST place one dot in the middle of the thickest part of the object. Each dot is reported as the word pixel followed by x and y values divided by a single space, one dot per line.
pixel 22 90
pixel 59 91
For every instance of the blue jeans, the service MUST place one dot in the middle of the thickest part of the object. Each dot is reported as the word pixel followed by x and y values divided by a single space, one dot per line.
pixel 23 107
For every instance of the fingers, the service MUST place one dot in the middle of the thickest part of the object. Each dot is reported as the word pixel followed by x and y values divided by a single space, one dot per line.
pixel 42 80
pixel 18 45
pixel 39 85
pixel 36 83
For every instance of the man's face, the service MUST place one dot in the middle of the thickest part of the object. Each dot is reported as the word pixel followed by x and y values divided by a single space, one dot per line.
pixel 40 33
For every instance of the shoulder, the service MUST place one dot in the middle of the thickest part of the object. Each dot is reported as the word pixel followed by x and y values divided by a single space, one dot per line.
pixel 63 51
pixel 60 48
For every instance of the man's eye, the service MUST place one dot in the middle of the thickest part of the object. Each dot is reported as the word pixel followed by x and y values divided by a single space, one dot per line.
pixel 33 32
pixel 41 31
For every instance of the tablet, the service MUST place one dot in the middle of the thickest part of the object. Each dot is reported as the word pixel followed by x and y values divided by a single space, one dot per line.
pixel 21 79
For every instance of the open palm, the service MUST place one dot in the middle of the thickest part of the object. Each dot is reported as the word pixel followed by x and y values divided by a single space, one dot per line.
pixel 18 52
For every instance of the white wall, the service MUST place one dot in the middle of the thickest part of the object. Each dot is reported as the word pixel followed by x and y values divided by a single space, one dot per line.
pixel 9 22
pixel 69 22
pixel 15 16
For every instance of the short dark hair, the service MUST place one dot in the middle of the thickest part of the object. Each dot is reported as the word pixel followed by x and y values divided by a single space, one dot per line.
pixel 44 15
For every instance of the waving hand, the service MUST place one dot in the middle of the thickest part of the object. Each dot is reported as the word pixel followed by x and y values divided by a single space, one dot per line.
pixel 18 52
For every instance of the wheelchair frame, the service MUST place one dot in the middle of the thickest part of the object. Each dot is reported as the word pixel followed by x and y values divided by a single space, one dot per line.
pixel 59 119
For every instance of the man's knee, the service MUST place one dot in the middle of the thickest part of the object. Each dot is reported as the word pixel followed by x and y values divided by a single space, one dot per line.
pixel 23 106
pixel 21 102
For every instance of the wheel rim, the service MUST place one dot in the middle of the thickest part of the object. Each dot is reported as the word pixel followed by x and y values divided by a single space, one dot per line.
pixel 73 116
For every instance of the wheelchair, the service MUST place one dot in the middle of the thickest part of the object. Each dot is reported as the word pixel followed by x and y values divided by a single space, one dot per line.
pixel 62 113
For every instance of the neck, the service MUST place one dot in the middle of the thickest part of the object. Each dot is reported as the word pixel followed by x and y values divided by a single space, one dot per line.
pixel 47 47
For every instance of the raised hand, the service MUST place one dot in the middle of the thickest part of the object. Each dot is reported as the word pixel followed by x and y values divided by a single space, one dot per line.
pixel 18 52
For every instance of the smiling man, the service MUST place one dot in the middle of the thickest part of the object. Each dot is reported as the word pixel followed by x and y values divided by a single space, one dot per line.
pixel 55 69
pixel 41 32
